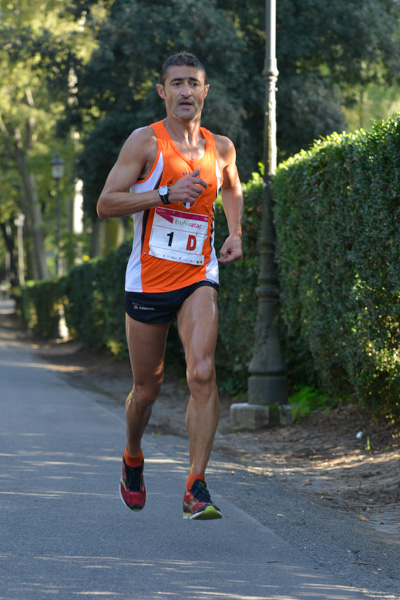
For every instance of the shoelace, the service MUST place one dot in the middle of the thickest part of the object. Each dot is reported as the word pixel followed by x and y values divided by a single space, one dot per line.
pixel 200 492
pixel 133 476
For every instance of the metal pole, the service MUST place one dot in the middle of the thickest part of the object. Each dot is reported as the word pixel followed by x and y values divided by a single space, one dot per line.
pixel 57 171
pixel 58 265
pixel 267 383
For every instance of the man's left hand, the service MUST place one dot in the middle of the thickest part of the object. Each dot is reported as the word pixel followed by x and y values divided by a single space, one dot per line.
pixel 231 250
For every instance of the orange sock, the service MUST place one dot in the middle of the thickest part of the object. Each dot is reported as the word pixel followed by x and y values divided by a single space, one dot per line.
pixel 133 461
pixel 192 478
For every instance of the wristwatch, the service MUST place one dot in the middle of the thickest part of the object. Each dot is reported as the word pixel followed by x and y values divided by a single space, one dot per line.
pixel 163 192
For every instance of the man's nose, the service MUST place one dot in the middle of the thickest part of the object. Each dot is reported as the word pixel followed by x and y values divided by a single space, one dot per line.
pixel 186 91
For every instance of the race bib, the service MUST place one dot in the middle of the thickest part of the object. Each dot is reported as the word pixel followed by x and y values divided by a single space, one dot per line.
pixel 178 236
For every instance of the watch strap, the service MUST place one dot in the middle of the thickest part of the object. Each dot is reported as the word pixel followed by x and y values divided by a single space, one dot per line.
pixel 164 197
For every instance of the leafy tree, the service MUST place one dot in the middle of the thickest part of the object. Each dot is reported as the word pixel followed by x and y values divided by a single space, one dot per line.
pixel 324 50
pixel 35 80
pixel 116 90
pixel 370 103
pixel 9 199
pixel 18 120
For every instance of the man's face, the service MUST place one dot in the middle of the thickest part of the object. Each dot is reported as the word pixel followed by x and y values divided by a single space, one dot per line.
pixel 184 91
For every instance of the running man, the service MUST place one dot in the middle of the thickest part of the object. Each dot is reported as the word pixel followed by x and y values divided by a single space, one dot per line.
pixel 167 176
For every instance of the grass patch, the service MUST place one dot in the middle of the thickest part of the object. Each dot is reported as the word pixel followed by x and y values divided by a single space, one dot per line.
pixel 308 399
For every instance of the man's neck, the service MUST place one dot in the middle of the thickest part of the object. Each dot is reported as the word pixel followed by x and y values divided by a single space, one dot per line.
pixel 184 132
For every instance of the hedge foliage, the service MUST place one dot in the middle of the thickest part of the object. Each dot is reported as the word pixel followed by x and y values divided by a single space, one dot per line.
pixel 38 303
pixel 337 212
pixel 94 301
pixel 91 299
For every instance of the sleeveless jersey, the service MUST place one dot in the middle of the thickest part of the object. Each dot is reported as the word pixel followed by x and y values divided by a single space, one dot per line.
pixel 173 245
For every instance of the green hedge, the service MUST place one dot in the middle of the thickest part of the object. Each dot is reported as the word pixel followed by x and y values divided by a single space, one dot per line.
pixel 94 301
pixel 38 303
pixel 337 211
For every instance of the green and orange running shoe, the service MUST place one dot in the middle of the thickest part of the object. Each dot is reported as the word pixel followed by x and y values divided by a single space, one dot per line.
pixel 197 503
pixel 132 489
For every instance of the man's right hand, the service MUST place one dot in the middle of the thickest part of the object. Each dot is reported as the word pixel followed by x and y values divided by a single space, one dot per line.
pixel 188 188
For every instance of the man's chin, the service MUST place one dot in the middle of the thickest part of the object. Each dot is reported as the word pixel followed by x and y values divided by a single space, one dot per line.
pixel 187 115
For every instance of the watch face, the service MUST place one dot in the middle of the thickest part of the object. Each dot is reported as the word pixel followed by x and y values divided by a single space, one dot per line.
pixel 163 190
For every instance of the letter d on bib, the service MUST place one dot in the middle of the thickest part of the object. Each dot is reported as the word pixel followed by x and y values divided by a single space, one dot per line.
pixel 191 243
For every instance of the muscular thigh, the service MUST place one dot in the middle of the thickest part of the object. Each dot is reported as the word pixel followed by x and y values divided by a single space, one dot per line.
pixel 198 324
pixel 146 343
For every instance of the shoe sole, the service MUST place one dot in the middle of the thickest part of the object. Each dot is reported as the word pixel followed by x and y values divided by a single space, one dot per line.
pixel 205 515
pixel 136 508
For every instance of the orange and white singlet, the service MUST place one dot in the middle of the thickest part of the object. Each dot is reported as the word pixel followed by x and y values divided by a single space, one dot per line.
pixel 173 246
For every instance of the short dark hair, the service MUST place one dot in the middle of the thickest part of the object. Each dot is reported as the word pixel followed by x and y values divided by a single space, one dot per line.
pixel 181 59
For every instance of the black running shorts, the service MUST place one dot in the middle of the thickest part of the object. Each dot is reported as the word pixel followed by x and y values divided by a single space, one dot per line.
pixel 162 307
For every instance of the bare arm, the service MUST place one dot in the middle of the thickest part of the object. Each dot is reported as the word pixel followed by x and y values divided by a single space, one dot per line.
pixel 232 201
pixel 136 160
pixel 136 157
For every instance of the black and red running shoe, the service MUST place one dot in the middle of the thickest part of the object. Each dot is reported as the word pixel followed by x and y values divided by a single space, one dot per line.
pixel 197 503
pixel 132 489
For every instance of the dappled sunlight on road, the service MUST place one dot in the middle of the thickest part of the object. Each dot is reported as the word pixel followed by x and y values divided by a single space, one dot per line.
pixel 81 472
pixel 39 365
pixel 173 578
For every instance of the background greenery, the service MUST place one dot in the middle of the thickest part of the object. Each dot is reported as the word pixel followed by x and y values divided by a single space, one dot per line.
pixel 77 76
pixel 338 247
pixel 325 52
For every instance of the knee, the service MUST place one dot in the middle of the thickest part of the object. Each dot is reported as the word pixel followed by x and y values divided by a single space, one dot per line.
pixel 143 396
pixel 201 375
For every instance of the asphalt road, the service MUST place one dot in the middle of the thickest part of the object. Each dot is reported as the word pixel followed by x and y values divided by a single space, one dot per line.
pixel 65 533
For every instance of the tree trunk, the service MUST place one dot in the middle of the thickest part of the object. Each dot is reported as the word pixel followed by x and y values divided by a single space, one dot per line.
pixel 34 220
pixel 97 238
pixel 9 242
pixel 114 235
pixel 18 146
pixel 38 241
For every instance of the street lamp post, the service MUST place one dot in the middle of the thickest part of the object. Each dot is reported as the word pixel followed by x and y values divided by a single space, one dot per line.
pixel 267 384
pixel 57 171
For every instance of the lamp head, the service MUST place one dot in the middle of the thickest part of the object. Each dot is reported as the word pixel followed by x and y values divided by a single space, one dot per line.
pixel 57 167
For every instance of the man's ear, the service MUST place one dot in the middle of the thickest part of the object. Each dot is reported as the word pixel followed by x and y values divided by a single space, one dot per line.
pixel 160 90
pixel 206 88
